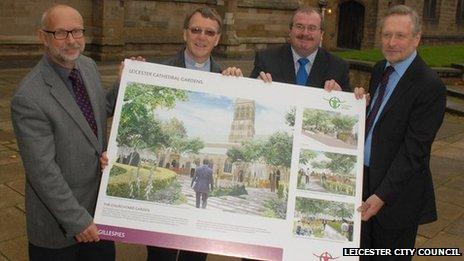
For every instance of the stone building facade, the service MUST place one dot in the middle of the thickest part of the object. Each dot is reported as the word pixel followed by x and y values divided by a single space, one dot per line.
pixel 243 123
pixel 122 28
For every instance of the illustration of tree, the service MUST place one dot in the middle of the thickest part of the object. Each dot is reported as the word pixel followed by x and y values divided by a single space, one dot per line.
pixel 138 128
pixel 290 117
pixel 174 127
pixel 343 123
pixel 277 153
pixel 339 164
pixel 188 145
pixel 311 207
pixel 250 151
pixel 278 150
pixel 317 121
pixel 178 141
pixel 341 210
pixel 140 131
pixel 306 156
pixel 316 207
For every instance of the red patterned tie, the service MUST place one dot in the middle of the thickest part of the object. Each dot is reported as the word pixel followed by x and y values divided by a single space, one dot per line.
pixel 378 101
pixel 82 99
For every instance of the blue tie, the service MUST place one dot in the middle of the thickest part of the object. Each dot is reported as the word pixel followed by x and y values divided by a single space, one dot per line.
pixel 302 75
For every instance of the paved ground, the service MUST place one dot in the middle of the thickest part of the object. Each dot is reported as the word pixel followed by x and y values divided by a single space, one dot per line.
pixel 312 185
pixel 251 204
pixel 447 167
pixel 327 140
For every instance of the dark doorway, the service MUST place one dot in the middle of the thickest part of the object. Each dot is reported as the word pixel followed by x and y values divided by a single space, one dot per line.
pixel 350 25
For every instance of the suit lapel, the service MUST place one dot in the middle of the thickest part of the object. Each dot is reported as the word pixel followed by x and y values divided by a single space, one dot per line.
pixel 214 67
pixel 318 69
pixel 287 66
pixel 66 100
pixel 376 77
pixel 403 85
pixel 181 58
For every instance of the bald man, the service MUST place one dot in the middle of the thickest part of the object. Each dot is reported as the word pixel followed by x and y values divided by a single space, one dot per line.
pixel 59 117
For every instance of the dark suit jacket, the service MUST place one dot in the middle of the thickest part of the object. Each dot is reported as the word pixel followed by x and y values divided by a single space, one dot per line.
pixel 179 61
pixel 202 181
pixel 399 170
pixel 279 63
pixel 60 152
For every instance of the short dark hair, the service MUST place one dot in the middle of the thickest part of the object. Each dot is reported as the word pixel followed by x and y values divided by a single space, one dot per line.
pixel 205 162
pixel 307 9
pixel 206 12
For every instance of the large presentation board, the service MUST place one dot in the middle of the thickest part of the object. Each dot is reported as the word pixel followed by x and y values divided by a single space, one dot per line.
pixel 232 166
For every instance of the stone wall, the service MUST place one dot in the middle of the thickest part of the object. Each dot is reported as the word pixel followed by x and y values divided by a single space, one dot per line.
pixel 360 72
pixel 444 28
pixel 19 21
pixel 117 29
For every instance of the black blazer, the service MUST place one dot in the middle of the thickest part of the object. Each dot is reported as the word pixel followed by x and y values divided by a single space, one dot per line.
pixel 279 63
pixel 399 171
pixel 179 61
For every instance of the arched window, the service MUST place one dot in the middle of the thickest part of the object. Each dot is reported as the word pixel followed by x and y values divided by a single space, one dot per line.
pixel 430 10
pixel 460 12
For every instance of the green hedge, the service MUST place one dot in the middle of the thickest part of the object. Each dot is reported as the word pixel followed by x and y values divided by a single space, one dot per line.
pixel 338 188
pixel 116 170
pixel 236 190
pixel 276 208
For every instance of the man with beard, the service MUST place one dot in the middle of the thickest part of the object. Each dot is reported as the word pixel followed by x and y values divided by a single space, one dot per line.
pixel 302 61
pixel 59 117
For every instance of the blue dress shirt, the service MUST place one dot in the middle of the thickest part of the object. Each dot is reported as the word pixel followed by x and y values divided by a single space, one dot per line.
pixel 400 69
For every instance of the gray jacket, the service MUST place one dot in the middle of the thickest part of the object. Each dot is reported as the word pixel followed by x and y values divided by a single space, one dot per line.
pixel 60 152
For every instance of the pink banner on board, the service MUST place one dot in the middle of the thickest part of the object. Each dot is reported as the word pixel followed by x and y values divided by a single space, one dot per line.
pixel 218 247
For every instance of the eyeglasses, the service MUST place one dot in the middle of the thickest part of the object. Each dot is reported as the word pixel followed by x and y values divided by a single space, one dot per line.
pixel 198 30
pixel 398 36
pixel 302 27
pixel 63 34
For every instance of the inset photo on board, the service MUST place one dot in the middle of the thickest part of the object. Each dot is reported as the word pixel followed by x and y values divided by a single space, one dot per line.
pixel 325 129
pixel 323 219
pixel 327 172
pixel 204 151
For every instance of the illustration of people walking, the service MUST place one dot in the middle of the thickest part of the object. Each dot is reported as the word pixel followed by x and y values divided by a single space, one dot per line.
pixel 193 166
pixel 272 181
pixel 202 181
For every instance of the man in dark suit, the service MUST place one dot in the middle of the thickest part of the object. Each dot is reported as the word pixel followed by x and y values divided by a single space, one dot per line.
pixel 202 31
pixel 302 61
pixel 59 117
pixel 406 111
pixel 202 183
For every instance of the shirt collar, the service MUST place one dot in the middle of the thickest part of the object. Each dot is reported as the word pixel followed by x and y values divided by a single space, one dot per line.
pixel 401 67
pixel 62 71
pixel 191 64
pixel 310 57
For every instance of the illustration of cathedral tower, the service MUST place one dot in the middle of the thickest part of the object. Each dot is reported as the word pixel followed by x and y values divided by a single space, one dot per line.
pixel 243 124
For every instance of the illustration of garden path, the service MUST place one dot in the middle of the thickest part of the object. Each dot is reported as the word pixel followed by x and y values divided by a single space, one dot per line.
pixel 328 140
pixel 331 233
pixel 313 186
pixel 252 204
